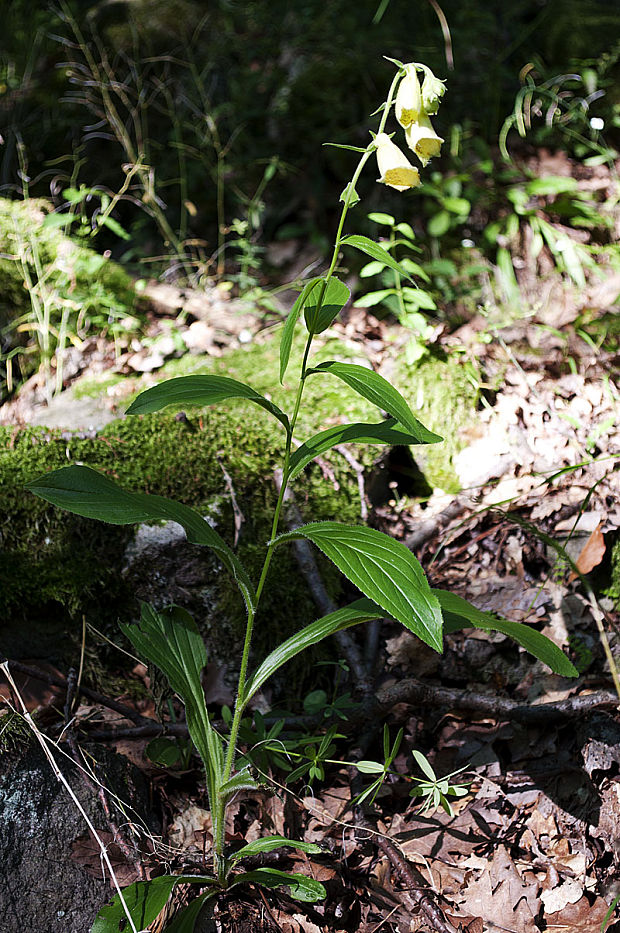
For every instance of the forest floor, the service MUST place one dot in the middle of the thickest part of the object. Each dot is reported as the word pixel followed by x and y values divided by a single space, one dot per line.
pixel 534 842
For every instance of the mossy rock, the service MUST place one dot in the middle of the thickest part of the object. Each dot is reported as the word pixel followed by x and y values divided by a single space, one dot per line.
pixel 57 568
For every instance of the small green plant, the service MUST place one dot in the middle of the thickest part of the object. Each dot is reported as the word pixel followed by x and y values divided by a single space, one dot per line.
pixel 434 790
pixel 384 570
pixel 405 301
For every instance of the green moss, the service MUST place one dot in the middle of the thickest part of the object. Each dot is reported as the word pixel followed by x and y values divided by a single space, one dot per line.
pixel 96 386
pixel 443 395
pixel 54 566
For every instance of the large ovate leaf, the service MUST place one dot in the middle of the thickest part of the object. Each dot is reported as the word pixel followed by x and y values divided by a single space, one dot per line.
pixel 372 249
pixel 171 641
pixel 286 340
pixel 376 389
pixel 335 295
pixel 200 390
pixel 362 610
pixel 458 614
pixel 145 900
pixel 269 843
pixel 387 432
pixel 84 491
pixel 300 887
pixel 382 568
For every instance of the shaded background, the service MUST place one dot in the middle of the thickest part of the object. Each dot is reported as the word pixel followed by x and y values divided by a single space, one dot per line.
pixel 216 92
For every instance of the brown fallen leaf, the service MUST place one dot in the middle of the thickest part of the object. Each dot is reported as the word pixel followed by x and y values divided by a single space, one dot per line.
pixel 582 917
pixel 86 853
pixel 500 895
pixel 592 553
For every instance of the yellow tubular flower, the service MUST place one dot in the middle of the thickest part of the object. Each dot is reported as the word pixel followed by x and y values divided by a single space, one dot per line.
pixel 422 138
pixel 395 168
pixel 408 101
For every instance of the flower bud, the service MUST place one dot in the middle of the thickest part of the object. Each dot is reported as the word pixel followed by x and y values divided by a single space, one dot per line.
pixel 408 98
pixel 394 167
pixel 422 138
pixel 432 90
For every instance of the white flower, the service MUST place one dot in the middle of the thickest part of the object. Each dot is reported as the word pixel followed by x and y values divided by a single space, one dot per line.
pixel 432 90
pixel 408 101
pixel 395 168
pixel 422 138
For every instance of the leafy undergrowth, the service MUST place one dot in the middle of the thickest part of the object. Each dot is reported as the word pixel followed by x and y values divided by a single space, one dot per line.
pixel 533 843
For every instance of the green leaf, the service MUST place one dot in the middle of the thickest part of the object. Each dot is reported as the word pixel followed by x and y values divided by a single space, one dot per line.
pixel 375 251
pixel 334 299
pixel 406 230
pixel 370 299
pixel 418 298
pixel 349 194
pixel 163 751
pixel 457 205
pixel 200 390
pixel 301 888
pixel 185 920
pixel 458 612
pixel 84 491
pixel 286 340
pixel 369 767
pixel 371 268
pixel 551 184
pixel 243 780
pixel 170 639
pixel 362 610
pixel 424 764
pixel 269 843
pixel 144 900
pixel 438 224
pixel 383 569
pixel 375 388
pixel 387 432
pixel 379 218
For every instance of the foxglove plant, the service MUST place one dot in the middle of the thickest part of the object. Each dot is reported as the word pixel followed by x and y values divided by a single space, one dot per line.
pixel 384 570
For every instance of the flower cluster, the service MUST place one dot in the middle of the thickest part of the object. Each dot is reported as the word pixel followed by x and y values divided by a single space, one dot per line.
pixel 412 106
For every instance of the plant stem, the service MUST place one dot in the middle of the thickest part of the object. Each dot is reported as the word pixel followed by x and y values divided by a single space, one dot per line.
pixel 219 816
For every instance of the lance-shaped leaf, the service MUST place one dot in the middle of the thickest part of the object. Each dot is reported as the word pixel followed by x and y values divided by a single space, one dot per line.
pixel 382 568
pixel 387 432
pixel 300 887
pixel 200 390
pixel 185 920
pixel 375 251
pixel 269 843
pixel 458 614
pixel 362 610
pixel 376 389
pixel 171 641
pixel 334 297
pixel 144 900
pixel 286 340
pixel 86 492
